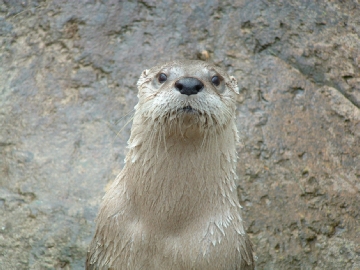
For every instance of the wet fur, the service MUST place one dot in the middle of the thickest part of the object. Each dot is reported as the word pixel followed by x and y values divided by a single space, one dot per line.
pixel 174 205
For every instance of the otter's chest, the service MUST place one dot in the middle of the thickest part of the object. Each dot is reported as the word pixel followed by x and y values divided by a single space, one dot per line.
pixel 206 247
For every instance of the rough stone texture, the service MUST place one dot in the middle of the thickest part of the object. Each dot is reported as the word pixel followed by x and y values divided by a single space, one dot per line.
pixel 68 71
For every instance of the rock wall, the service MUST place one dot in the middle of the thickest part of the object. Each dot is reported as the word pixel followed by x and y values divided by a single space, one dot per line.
pixel 68 71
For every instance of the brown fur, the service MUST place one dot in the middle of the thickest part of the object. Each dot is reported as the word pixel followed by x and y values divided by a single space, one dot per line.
pixel 174 205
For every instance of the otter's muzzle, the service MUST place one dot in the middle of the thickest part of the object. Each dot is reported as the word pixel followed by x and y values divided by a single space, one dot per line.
pixel 189 86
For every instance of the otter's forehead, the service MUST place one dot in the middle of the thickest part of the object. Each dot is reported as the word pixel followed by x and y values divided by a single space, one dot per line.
pixel 184 68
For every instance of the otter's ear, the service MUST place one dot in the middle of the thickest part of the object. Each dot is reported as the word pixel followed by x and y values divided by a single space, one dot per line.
pixel 143 77
pixel 145 73
pixel 234 84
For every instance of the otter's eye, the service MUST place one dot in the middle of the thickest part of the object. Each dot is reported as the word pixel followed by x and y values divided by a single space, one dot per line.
pixel 162 77
pixel 215 80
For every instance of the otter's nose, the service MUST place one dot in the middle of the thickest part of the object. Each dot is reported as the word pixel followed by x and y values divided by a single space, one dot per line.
pixel 189 86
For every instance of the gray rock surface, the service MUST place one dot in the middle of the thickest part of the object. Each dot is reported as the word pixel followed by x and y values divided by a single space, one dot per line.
pixel 68 71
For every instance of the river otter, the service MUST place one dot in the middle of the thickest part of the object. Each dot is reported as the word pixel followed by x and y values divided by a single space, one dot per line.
pixel 174 205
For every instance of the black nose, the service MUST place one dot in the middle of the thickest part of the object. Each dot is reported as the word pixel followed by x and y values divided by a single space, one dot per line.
pixel 189 86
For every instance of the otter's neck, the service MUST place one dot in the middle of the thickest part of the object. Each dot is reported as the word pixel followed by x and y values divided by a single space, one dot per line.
pixel 175 179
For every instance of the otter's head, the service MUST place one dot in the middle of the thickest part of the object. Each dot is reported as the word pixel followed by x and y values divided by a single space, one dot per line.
pixel 187 94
